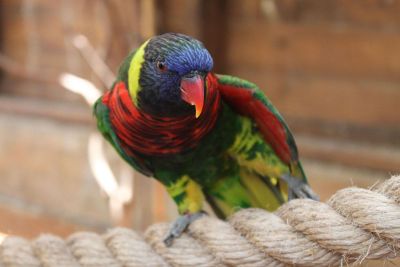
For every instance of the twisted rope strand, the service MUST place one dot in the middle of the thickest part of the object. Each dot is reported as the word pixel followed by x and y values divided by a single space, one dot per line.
pixel 354 225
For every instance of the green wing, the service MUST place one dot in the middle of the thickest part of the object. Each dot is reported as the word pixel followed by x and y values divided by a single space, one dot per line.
pixel 248 100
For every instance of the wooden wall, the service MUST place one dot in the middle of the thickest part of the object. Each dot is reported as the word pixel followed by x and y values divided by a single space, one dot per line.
pixel 44 169
pixel 331 67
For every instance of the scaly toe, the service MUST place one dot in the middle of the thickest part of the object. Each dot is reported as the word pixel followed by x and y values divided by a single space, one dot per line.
pixel 298 188
pixel 179 226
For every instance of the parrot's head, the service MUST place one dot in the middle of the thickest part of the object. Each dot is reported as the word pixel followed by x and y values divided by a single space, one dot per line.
pixel 166 75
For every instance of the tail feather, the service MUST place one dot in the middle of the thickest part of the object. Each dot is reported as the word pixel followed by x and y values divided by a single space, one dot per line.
pixel 250 190
pixel 264 189
pixel 297 170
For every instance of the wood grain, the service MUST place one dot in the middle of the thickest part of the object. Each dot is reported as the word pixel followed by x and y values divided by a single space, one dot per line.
pixel 367 103
pixel 314 49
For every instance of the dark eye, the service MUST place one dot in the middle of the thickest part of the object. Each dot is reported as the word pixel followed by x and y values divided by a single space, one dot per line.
pixel 161 66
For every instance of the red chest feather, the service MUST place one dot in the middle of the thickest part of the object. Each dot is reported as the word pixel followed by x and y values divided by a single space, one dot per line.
pixel 143 133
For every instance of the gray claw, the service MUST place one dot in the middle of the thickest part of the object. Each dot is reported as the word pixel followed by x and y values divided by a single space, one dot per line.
pixel 310 193
pixel 179 225
pixel 298 188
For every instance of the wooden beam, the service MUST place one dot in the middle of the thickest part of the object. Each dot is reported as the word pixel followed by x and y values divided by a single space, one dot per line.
pixel 186 19
pixel 46 109
pixel 29 225
pixel 147 19
pixel 371 14
pixel 361 102
pixel 314 49
pixel 214 31
pixel 350 153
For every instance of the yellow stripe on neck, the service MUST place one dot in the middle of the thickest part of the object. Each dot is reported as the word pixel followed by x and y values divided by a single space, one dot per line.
pixel 134 72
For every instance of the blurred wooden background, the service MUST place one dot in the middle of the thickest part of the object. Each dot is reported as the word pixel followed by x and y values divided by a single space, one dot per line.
pixel 331 67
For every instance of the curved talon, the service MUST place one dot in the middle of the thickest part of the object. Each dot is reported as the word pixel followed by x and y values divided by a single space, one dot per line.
pixel 298 188
pixel 179 225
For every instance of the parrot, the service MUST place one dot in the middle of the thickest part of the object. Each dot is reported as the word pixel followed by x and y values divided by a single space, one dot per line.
pixel 206 137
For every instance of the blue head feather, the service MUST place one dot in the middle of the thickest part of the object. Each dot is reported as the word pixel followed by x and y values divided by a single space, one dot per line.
pixel 188 60
pixel 180 55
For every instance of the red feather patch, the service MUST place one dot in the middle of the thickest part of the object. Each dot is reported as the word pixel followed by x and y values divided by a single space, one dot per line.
pixel 243 102
pixel 143 133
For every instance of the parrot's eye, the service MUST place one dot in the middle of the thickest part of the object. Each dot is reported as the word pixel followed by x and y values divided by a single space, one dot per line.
pixel 161 66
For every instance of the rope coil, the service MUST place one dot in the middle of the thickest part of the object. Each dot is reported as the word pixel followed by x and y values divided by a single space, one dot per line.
pixel 354 225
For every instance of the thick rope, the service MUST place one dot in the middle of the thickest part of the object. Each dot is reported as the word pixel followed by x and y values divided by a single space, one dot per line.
pixel 354 225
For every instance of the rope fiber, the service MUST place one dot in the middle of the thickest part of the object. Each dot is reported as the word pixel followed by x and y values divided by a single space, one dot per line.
pixel 354 225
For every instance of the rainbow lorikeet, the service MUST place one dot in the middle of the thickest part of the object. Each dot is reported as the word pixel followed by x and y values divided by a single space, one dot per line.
pixel 202 135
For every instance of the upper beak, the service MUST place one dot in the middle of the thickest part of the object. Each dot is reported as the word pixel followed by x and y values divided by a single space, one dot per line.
pixel 192 91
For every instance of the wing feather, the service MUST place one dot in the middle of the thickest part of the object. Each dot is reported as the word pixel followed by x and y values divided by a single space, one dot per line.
pixel 248 100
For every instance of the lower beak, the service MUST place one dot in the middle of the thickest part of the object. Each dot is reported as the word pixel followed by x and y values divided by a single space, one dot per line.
pixel 192 92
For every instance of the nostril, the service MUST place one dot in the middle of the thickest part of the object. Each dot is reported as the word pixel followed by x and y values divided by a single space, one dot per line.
pixel 191 74
pixel 194 74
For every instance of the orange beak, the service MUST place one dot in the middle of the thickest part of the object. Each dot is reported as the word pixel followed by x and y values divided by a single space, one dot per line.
pixel 192 92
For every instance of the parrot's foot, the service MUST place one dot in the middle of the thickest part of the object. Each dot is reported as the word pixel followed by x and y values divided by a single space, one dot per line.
pixel 298 188
pixel 179 225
